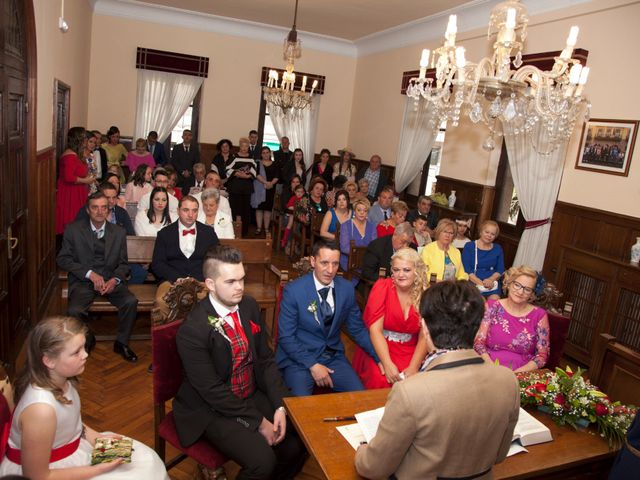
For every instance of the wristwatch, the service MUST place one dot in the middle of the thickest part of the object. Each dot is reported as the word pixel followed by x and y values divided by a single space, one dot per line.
pixel 283 410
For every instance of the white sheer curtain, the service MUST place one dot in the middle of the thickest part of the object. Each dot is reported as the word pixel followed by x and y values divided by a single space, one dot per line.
pixel 162 99
pixel 419 130
pixel 300 126
pixel 537 181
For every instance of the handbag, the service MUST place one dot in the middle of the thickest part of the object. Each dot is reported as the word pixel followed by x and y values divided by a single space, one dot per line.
pixel 482 288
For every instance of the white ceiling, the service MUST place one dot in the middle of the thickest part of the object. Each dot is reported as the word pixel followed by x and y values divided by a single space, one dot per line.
pixel 345 19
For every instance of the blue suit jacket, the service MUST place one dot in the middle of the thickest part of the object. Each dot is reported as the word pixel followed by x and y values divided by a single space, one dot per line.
pixel 301 338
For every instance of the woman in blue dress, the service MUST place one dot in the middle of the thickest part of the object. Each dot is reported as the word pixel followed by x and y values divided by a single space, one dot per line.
pixel 336 216
pixel 483 260
pixel 358 228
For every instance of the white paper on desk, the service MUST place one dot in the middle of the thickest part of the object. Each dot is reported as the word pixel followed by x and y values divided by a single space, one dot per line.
pixel 516 448
pixel 352 434
pixel 369 422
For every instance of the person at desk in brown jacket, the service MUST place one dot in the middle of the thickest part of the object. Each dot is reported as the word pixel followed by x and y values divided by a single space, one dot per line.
pixel 455 419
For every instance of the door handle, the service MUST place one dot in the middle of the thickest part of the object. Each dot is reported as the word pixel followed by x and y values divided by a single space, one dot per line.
pixel 12 243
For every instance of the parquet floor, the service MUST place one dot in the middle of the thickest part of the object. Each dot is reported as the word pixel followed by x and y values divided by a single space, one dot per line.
pixel 116 396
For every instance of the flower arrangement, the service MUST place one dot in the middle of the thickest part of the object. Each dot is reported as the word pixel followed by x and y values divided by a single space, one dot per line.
pixel 313 308
pixel 217 324
pixel 572 400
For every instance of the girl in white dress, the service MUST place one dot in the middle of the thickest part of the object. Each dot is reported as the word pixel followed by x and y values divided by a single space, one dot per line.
pixel 47 438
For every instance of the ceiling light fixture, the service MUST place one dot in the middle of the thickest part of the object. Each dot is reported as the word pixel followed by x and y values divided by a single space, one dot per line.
pixel 491 92
pixel 281 93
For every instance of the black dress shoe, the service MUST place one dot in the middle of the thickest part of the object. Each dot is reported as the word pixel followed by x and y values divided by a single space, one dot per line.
pixel 124 350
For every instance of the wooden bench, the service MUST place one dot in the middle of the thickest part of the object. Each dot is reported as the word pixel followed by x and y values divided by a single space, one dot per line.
pixel 260 283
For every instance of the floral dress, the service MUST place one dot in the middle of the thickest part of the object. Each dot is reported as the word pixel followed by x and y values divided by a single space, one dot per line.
pixel 513 341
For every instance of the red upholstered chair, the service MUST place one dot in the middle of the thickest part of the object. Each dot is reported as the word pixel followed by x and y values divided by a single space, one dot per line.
pixel 167 378
pixel 558 330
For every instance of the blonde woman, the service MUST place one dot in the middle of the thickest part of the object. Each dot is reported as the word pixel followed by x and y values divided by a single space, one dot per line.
pixel 441 257
pixel 514 332
pixel 392 317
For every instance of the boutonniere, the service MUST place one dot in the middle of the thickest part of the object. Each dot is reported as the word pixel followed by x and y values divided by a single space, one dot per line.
pixel 313 308
pixel 218 325
pixel 221 220
pixel 254 328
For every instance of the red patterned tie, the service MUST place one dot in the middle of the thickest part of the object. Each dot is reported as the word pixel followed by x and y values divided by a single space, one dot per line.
pixel 237 326
pixel 191 231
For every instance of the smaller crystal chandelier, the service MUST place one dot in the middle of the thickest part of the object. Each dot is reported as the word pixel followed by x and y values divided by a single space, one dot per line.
pixel 282 93
pixel 493 93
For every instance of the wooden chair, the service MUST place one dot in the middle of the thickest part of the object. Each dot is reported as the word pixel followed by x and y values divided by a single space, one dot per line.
pixel 237 227
pixel 616 369
pixel 167 378
pixel 355 261
pixel 277 217
pixel 302 235
pixel 558 330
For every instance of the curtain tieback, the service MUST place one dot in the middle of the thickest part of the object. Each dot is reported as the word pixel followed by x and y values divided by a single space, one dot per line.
pixel 536 223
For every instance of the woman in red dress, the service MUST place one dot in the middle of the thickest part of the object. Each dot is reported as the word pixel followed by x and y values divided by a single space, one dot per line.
pixel 392 317
pixel 73 181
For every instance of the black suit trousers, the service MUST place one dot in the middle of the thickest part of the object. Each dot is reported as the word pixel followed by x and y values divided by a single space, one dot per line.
pixel 81 294
pixel 241 207
pixel 250 450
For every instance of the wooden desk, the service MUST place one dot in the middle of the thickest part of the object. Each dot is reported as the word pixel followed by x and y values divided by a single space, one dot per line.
pixel 572 454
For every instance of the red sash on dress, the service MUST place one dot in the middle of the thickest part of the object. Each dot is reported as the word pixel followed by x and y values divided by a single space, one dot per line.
pixel 59 453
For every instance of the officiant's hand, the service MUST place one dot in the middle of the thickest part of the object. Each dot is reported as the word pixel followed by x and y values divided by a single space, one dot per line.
pixel 279 426
pixel 321 375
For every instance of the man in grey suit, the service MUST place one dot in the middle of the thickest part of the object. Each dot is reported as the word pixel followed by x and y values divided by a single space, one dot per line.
pixel 94 252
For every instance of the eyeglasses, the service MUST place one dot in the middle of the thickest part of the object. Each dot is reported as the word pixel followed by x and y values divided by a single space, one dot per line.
pixel 519 286
pixel 447 232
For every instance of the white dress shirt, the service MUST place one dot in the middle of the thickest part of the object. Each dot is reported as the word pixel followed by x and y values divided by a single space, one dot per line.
pixel 223 311
pixel 319 286
pixel 187 242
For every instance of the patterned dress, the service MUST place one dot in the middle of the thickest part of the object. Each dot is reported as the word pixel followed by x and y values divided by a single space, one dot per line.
pixel 513 341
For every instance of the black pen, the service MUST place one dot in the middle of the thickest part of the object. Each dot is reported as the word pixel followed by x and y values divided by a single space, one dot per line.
pixel 338 419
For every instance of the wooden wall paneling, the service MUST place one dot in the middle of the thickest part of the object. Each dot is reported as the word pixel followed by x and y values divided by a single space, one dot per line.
pixel 603 233
pixel 509 246
pixel 616 370
pixel 43 194
pixel 585 282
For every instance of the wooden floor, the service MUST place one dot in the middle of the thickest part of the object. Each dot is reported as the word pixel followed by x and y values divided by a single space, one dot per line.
pixel 116 395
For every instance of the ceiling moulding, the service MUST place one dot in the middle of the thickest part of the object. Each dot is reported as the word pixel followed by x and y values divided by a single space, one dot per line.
pixel 471 16
pixel 140 11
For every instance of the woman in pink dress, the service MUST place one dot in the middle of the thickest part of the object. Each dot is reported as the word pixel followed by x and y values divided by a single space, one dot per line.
pixel 74 179
pixel 513 331
pixel 392 317
pixel 139 156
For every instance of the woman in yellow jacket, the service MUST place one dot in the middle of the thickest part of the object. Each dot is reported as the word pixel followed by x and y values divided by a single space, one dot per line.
pixel 441 257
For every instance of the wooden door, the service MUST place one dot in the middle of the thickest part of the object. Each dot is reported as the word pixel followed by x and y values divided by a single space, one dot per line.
pixel 14 301
pixel 61 117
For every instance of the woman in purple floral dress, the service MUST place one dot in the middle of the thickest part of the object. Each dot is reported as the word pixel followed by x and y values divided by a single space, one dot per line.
pixel 513 331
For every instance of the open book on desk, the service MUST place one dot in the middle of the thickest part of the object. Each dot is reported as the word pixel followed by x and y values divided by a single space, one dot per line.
pixel 364 430
pixel 529 431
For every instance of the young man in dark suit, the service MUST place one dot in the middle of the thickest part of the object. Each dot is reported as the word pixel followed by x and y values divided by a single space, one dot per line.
pixel 312 312
pixel 94 252
pixel 232 391
pixel 184 156
pixel 254 147
pixel 180 249
pixel 156 149
pixel 379 251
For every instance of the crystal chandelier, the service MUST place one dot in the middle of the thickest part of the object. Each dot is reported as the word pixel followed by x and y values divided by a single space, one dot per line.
pixel 282 93
pixel 493 93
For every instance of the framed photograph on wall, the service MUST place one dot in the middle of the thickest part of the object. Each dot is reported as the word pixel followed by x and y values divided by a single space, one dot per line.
pixel 606 146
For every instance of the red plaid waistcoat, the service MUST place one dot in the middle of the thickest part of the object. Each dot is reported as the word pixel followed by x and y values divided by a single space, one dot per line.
pixel 242 384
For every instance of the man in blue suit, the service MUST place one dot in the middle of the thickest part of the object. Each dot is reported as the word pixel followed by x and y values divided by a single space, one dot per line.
pixel 156 149
pixel 312 312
